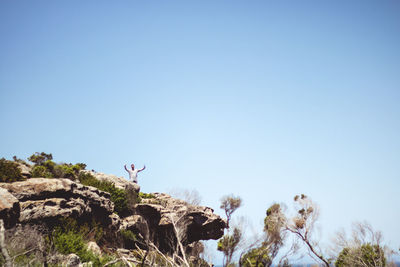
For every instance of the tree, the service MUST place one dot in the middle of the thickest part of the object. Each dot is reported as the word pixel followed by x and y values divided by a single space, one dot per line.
pixel 303 223
pixel 230 242
pixel 363 249
pixel 4 251
pixel 40 158
pixel 262 253
pixel 230 204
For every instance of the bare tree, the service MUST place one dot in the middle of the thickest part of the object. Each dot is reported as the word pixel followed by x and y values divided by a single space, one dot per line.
pixel 4 251
pixel 303 225
pixel 179 226
pixel 192 197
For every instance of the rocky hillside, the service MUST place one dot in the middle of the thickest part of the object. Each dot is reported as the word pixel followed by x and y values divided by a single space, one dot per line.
pixel 153 229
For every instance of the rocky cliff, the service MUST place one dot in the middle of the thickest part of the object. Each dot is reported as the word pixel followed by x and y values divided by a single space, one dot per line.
pixel 155 220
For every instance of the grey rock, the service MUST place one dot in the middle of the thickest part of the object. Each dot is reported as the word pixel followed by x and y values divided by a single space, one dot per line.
pixel 163 212
pixel 9 208
pixel 72 260
pixel 137 224
pixel 26 169
pixel 93 247
pixel 43 198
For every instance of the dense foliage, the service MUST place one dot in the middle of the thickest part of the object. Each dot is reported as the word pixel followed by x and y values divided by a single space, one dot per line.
pixel 256 257
pixel 364 255
pixel 45 167
pixel 9 171
pixel 71 237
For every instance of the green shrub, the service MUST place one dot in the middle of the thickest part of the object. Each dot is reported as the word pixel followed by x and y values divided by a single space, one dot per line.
pixel 49 164
pixel 146 195
pixel 364 255
pixel 129 238
pixel 88 230
pixel 257 257
pixel 65 171
pixel 9 171
pixel 40 158
pixel 118 196
pixel 41 171
pixel 71 242
pixel 70 236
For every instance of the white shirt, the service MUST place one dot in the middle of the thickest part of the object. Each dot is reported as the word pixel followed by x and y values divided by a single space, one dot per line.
pixel 133 175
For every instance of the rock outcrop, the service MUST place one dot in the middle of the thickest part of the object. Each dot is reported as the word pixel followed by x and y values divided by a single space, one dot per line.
pixel 9 208
pixel 41 199
pixel 25 169
pixel 157 217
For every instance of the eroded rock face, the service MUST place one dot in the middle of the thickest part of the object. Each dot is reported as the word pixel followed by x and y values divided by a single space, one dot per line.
pixel 25 170
pixel 154 219
pixel 9 208
pixel 163 213
pixel 42 198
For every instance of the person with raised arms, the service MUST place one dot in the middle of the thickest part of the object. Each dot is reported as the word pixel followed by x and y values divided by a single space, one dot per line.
pixel 134 172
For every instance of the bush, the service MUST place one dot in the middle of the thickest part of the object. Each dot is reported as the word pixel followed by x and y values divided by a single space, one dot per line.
pixel 128 238
pixel 364 255
pixel 146 195
pixel 70 236
pixel 41 171
pixel 71 242
pixel 45 167
pixel 65 171
pixel 118 196
pixel 9 171
pixel 257 257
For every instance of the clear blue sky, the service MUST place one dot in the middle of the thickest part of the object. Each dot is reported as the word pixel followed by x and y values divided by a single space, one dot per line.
pixel 263 99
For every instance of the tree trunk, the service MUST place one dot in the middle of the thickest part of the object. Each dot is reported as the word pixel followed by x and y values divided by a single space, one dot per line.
pixel 4 251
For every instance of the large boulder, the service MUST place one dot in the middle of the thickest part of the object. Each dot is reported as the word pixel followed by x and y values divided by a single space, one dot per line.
pixel 9 208
pixel 26 169
pixel 43 198
pixel 163 213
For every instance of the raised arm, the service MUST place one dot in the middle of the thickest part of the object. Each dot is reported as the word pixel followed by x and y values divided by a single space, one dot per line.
pixel 144 167
pixel 126 168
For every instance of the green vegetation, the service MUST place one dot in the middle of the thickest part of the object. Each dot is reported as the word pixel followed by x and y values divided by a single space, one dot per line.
pixel 40 158
pixel 364 255
pixel 44 166
pixel 129 238
pixel 41 171
pixel 71 242
pixel 118 196
pixel 256 257
pixel 9 171
pixel 146 195
pixel 229 243
pixel 70 236
pixel 89 230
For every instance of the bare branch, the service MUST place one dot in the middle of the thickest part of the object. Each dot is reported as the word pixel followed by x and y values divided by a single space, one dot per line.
pixel 4 251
